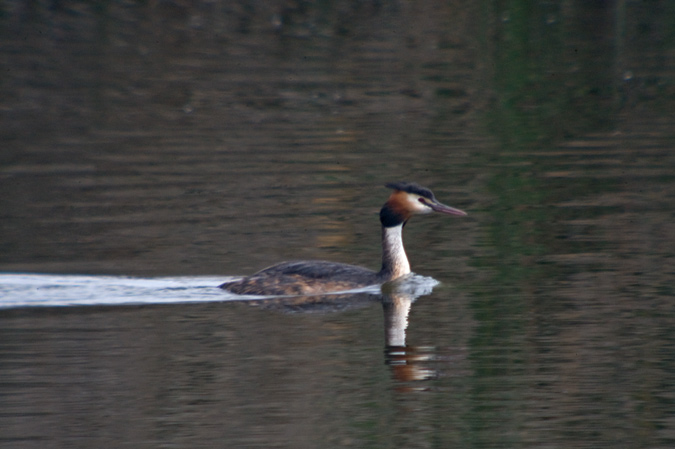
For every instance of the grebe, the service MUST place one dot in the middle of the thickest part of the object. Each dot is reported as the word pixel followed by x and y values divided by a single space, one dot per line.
pixel 318 277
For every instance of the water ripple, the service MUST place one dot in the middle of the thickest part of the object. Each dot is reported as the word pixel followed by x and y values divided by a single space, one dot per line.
pixel 46 290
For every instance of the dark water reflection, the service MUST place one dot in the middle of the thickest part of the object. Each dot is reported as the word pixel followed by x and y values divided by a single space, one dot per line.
pixel 172 139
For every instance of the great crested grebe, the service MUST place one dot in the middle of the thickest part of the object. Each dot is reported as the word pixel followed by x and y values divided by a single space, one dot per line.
pixel 312 277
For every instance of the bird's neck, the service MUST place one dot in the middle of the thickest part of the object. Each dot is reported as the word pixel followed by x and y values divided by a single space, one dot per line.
pixel 394 260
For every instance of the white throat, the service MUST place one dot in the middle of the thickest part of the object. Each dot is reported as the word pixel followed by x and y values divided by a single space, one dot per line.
pixel 394 260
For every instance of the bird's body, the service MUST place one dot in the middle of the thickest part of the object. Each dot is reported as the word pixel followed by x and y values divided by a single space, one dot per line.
pixel 319 277
pixel 304 277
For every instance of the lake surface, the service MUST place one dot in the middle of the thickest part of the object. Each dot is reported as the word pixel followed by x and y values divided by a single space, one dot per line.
pixel 152 151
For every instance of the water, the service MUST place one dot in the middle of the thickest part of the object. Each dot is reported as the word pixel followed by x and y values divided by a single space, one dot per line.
pixel 152 152
pixel 246 372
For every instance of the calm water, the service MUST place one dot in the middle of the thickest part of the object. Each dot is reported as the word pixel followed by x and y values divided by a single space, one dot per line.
pixel 151 151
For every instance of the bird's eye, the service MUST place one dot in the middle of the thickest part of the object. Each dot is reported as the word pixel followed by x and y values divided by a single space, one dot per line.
pixel 423 201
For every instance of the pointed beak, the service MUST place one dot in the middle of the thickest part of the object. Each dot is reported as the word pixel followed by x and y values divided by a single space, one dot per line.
pixel 442 208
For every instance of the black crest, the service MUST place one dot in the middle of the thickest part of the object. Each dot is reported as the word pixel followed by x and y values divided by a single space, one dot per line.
pixel 411 187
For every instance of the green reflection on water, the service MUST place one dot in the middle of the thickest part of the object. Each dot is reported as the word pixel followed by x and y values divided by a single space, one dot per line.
pixel 546 87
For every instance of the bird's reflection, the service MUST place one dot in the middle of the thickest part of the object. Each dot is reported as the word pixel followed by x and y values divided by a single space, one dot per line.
pixel 408 363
